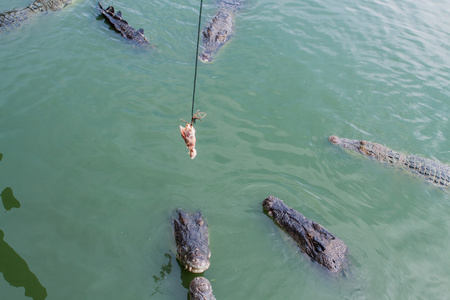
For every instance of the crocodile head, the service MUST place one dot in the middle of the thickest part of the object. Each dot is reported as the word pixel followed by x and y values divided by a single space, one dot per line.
pixel 200 288
pixel 216 34
pixel 192 241
pixel 312 238
pixel 359 146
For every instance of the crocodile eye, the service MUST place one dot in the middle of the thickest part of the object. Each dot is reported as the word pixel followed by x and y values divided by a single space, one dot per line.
pixel 318 247
pixel 362 142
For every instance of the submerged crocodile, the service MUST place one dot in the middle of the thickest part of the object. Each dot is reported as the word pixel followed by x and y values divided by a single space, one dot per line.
pixel 122 26
pixel 433 170
pixel 200 289
pixel 221 28
pixel 312 238
pixel 191 237
pixel 14 18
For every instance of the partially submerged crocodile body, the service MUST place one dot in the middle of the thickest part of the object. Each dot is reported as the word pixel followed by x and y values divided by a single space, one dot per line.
pixel 191 237
pixel 433 170
pixel 312 238
pixel 14 18
pixel 221 28
pixel 122 26
pixel 200 289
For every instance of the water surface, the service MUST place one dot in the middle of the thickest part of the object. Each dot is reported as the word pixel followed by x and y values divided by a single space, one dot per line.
pixel 92 151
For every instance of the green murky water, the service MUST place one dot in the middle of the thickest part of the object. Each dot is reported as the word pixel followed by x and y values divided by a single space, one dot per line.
pixel 93 167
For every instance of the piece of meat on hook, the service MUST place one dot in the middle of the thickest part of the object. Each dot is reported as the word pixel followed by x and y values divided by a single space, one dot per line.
pixel 188 133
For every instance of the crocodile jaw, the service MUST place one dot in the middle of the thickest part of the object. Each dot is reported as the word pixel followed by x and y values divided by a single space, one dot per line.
pixel 195 265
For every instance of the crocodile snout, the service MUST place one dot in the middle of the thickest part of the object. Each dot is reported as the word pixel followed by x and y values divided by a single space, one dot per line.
pixel 205 57
pixel 334 139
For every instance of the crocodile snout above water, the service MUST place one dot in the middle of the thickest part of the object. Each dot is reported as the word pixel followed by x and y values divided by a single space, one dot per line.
pixel 191 237
pixel 200 289
pixel 334 139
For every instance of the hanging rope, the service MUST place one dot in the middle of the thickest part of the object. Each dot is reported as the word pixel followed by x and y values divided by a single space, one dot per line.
pixel 196 62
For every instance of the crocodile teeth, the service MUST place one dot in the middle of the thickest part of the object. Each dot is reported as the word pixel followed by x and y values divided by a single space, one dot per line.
pixel 190 269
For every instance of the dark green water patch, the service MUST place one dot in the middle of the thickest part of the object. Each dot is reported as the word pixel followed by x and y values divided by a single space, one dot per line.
pixel 16 272
pixel 8 199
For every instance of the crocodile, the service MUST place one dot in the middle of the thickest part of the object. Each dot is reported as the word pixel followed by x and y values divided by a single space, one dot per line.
pixel 433 170
pixel 220 30
pixel 312 238
pixel 121 26
pixel 14 18
pixel 191 237
pixel 200 289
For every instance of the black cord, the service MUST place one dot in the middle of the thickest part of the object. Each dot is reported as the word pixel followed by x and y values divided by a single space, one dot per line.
pixel 196 61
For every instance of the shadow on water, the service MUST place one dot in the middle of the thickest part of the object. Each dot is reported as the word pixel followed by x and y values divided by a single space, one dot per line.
pixel 16 272
pixel 14 268
pixel 165 270
pixel 8 199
